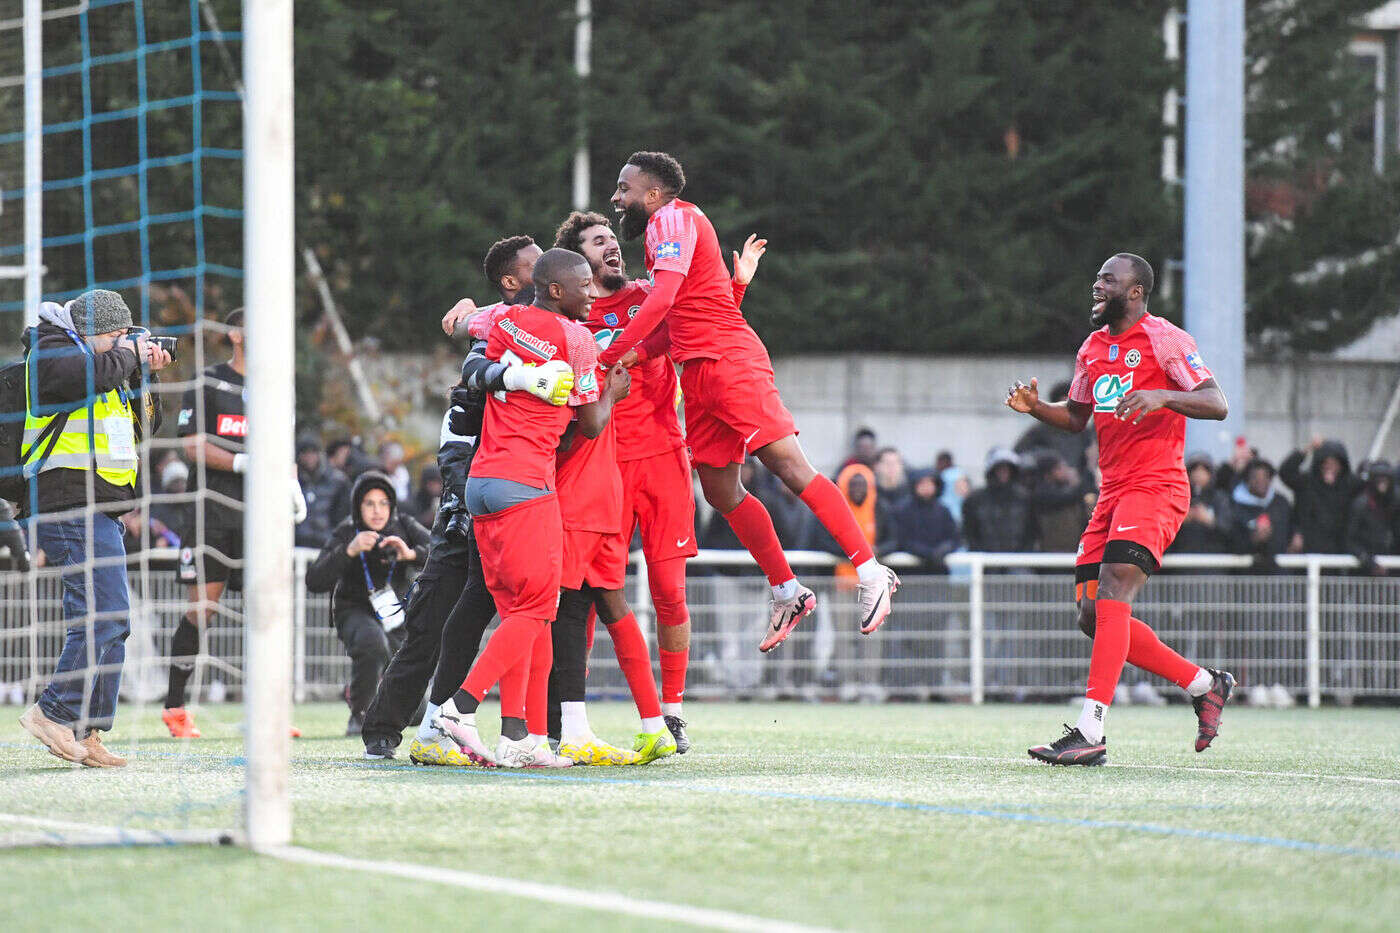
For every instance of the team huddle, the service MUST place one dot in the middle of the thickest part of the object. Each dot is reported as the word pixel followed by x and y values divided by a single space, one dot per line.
pixel 561 441
pixel 567 408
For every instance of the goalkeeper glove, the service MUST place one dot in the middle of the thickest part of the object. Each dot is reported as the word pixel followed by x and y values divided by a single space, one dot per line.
pixel 552 382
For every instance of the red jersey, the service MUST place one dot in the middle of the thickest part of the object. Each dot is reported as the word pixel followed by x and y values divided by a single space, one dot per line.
pixel 646 419
pixel 590 483
pixel 705 320
pixel 520 433
pixel 1152 354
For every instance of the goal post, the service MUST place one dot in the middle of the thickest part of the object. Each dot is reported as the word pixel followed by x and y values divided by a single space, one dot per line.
pixel 269 296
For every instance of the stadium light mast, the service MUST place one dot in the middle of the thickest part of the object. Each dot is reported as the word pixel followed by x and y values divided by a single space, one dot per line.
pixel 269 297
pixel 583 67
pixel 1214 255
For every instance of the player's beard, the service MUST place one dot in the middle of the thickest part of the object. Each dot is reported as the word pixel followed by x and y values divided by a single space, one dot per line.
pixel 1113 311
pixel 611 280
pixel 634 222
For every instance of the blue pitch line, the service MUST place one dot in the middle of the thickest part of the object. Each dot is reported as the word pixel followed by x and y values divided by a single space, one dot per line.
pixel 1277 842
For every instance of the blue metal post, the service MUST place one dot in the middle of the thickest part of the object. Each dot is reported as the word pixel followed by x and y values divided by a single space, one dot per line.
pixel 1214 267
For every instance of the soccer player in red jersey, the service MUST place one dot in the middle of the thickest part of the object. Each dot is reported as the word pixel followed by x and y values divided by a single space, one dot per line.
pixel 594 571
pixel 656 490
pixel 732 406
pixel 515 511
pixel 1139 377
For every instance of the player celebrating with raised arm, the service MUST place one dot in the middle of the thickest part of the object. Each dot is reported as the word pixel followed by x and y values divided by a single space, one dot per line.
pixel 732 406
pixel 515 512
pixel 1140 377
pixel 656 490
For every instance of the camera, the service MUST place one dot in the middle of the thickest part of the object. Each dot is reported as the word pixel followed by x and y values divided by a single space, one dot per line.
pixel 165 343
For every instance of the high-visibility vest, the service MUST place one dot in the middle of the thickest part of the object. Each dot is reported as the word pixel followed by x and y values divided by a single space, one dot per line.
pixel 82 442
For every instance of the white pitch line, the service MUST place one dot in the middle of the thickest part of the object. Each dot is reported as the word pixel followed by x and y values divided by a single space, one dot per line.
pixel 91 834
pixel 551 893
pixel 1182 769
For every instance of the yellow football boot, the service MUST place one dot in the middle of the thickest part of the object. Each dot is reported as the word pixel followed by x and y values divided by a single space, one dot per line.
pixel 598 753
pixel 650 746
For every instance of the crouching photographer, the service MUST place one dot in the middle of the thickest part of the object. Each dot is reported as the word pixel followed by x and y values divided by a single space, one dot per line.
pixel 364 565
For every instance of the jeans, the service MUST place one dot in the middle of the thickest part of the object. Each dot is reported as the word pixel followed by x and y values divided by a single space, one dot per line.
pixel 83 691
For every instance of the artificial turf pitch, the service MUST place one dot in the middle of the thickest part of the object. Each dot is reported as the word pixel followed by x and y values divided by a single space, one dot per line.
pixel 837 816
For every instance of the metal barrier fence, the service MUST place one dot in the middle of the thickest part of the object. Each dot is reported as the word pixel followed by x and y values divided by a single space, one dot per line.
pixel 998 626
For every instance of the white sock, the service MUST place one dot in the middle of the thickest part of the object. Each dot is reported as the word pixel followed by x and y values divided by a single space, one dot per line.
pixel 450 709
pixel 1200 684
pixel 785 591
pixel 1091 720
pixel 573 722
pixel 870 571
pixel 670 709
pixel 653 724
pixel 538 740
pixel 426 732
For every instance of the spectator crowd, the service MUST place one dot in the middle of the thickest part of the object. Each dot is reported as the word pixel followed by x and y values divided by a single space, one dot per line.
pixel 1038 494
pixel 326 475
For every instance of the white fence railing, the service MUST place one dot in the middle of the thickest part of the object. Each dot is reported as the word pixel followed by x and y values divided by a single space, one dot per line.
pixel 996 626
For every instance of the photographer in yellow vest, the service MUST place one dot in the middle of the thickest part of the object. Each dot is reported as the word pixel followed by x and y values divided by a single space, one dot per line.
pixel 89 409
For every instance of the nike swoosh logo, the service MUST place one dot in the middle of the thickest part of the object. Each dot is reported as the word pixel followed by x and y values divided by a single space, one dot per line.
pixel 851 557
pixel 682 542
pixel 753 435
pixel 1126 527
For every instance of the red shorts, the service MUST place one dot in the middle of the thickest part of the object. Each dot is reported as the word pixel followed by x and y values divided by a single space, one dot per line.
pixel 595 558
pixel 657 495
pixel 731 408
pixel 522 552
pixel 1147 516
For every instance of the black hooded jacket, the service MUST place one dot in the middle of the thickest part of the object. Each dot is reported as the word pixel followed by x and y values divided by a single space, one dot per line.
pixel 343 576
pixel 998 516
pixel 1320 510
pixel 925 527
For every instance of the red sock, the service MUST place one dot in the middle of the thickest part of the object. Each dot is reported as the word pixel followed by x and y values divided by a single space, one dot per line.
pixel 1111 634
pixel 666 579
pixel 509 645
pixel 1145 650
pixel 753 526
pixel 514 686
pixel 826 502
pixel 673 665
pixel 635 661
pixel 537 694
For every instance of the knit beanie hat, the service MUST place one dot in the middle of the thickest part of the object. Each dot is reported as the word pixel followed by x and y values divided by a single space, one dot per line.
pixel 99 312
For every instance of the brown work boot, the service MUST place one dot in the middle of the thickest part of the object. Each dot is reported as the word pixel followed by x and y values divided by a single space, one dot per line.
pixel 59 738
pixel 98 755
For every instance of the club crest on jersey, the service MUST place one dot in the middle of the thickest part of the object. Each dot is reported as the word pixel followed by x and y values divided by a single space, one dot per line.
pixel 1109 391
pixel 185 415
pixel 1132 359
pixel 632 311
pixel 610 319
pixel 671 249
pixel 1113 353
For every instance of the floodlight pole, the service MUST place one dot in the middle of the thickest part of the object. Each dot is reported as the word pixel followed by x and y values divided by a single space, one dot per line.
pixel 33 160
pixel 1214 265
pixel 269 297
pixel 583 67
